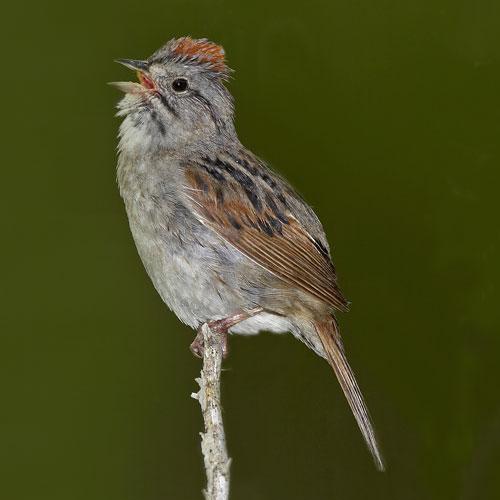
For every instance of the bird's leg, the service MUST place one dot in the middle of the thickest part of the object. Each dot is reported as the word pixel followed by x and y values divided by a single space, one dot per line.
pixel 221 327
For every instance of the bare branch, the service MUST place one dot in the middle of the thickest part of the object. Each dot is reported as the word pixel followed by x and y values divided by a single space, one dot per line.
pixel 213 440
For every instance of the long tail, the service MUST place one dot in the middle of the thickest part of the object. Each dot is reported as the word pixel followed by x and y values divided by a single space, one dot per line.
pixel 332 343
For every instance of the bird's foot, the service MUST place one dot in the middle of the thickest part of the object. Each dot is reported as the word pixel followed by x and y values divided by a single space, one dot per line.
pixel 197 346
pixel 221 327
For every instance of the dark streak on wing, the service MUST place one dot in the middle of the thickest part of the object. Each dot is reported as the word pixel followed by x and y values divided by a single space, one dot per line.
pixel 219 195
pixel 266 227
pixel 243 179
pixel 276 211
pixel 321 248
pixel 269 180
pixel 200 183
pixel 234 222
pixel 213 172
pixel 240 160
pixel 276 225
pixel 260 222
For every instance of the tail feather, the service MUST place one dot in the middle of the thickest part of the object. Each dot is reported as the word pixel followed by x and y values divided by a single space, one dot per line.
pixel 332 343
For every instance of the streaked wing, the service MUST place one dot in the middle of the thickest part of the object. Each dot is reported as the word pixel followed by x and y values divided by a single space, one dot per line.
pixel 259 214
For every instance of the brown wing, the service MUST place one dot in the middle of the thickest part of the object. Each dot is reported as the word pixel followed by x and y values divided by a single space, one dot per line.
pixel 253 210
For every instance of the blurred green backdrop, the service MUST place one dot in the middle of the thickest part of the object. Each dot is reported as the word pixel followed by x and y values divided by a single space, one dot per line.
pixel 386 117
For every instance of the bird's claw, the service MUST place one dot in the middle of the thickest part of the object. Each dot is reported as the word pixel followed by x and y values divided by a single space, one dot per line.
pixel 197 347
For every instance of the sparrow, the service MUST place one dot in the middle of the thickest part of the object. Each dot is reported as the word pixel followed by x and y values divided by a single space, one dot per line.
pixel 225 240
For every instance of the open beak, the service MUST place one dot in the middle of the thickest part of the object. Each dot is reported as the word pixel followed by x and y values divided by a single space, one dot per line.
pixel 133 64
pixel 142 69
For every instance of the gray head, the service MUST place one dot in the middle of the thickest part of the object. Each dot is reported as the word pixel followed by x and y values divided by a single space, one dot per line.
pixel 180 100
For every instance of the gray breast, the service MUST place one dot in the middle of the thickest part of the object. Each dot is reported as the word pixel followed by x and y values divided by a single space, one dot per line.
pixel 192 269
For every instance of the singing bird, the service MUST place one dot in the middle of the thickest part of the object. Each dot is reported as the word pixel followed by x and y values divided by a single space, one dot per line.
pixel 224 239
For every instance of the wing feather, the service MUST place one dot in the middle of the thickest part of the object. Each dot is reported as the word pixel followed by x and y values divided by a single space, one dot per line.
pixel 252 214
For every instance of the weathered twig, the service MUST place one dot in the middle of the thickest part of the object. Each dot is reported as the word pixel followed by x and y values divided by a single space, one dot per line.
pixel 213 440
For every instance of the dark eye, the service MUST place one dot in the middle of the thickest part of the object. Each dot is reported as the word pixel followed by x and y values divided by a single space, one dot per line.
pixel 180 84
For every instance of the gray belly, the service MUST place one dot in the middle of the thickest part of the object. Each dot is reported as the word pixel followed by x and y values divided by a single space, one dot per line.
pixel 187 274
pixel 199 277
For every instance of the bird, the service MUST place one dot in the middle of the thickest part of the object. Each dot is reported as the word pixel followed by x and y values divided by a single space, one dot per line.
pixel 224 239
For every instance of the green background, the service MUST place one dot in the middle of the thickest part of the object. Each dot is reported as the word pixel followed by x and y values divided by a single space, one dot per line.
pixel 386 117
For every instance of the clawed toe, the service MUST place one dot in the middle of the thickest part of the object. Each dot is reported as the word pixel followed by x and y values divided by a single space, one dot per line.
pixel 221 327
pixel 197 346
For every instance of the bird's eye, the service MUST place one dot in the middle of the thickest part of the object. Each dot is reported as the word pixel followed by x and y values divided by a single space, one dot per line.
pixel 180 84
